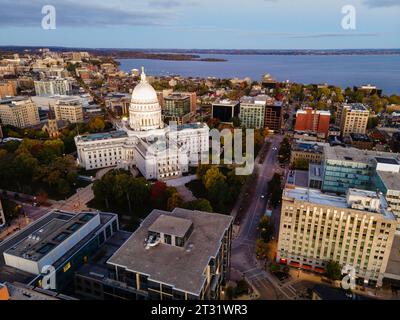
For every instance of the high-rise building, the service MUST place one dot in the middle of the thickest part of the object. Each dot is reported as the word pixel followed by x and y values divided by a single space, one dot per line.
pixel 52 87
pixel 316 121
pixel 355 231
pixel 353 119
pixel 19 112
pixel 273 116
pixel 252 111
pixel 193 100
pixel 225 110
pixel 69 109
pixel 177 108
pixel 185 256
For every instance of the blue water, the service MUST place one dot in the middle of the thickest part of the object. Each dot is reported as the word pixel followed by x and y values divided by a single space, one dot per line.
pixel 344 71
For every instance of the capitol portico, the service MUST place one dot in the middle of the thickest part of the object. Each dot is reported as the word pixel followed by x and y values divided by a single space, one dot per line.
pixel 144 142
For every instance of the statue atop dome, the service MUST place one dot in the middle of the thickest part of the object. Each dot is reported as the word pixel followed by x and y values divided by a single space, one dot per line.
pixel 143 76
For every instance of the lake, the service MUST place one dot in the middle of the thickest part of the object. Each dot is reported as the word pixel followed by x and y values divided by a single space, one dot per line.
pixel 340 70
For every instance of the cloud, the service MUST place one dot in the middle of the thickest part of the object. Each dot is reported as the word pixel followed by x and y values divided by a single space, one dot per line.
pixel 75 13
pixel 381 3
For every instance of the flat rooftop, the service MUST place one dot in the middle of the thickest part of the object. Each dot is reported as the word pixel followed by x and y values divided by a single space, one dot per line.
pixel 387 160
pixel 258 100
pixel 390 179
pixel 42 241
pixel 226 102
pixel 319 112
pixel 11 100
pixel 195 125
pixel 308 147
pixel 356 107
pixel 103 136
pixel 177 96
pixel 11 274
pixel 298 178
pixel 181 268
pixel 339 153
pixel 318 197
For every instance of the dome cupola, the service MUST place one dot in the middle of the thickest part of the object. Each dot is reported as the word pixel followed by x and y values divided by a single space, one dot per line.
pixel 145 110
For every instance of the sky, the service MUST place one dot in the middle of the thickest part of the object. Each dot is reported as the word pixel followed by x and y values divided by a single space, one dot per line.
pixel 202 24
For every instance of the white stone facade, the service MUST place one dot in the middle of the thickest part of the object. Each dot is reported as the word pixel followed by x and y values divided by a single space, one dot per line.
pixel 157 151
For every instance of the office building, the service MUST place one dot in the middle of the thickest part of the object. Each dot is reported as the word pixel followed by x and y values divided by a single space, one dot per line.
pixel 182 255
pixel 225 110
pixel 8 89
pixel 353 119
pixel 118 103
pixel 307 151
pixel 19 112
pixel 69 109
pixel 177 108
pixel 61 239
pixel 316 121
pixel 252 111
pixel 273 116
pixel 356 230
pixel 346 168
pixel 52 87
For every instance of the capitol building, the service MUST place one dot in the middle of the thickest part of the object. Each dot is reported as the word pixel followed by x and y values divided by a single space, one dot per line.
pixel 145 142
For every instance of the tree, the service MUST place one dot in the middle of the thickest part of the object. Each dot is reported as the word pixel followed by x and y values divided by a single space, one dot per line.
pixel 158 194
pixel 301 164
pixel 266 229
pixel 42 197
pixel 236 122
pixel 262 249
pixel 284 151
pixel 372 122
pixel 96 124
pixel 333 271
pixel 202 170
pixel 175 201
pixel 199 204
pixel 212 176
pixel 101 191
pixel 63 187
pixel 275 190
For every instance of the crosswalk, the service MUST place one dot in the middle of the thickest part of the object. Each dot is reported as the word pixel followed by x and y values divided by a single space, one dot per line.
pixel 260 279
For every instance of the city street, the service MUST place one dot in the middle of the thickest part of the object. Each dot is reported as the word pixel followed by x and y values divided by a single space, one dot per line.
pixel 243 247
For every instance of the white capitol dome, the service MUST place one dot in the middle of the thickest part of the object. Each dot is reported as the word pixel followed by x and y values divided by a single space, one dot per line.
pixel 145 110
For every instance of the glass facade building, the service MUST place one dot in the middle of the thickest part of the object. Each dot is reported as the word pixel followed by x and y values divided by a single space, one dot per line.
pixel 340 175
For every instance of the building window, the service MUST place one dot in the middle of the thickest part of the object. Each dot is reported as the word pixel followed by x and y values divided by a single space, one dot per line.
pixel 179 242
pixel 167 239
